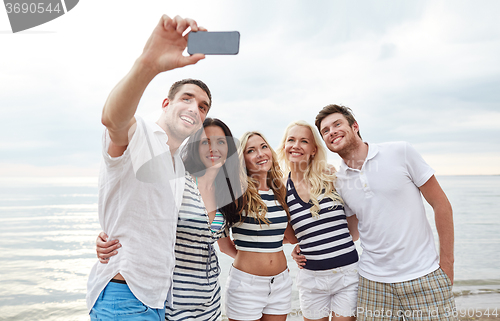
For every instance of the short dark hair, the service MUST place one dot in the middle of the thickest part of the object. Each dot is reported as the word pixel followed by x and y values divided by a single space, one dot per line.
pixel 228 194
pixel 333 109
pixel 174 89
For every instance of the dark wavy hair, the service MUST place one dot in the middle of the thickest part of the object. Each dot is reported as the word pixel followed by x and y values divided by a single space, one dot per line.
pixel 228 193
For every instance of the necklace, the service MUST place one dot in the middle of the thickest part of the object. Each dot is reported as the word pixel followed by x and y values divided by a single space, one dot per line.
pixel 196 181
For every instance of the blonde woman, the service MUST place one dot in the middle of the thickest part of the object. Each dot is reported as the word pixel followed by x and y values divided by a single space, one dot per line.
pixel 259 286
pixel 328 279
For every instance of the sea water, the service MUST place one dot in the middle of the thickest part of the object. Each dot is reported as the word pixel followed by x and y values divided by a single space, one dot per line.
pixel 48 228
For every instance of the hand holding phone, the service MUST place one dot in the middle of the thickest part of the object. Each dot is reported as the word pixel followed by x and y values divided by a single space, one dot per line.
pixel 214 43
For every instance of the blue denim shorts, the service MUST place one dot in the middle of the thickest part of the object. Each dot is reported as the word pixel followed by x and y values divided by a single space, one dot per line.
pixel 117 302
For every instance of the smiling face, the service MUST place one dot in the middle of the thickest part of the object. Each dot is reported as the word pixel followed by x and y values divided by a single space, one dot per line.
pixel 339 137
pixel 299 145
pixel 258 155
pixel 213 147
pixel 185 113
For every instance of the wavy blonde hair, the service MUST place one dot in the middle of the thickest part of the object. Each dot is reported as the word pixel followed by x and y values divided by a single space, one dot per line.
pixel 254 206
pixel 319 173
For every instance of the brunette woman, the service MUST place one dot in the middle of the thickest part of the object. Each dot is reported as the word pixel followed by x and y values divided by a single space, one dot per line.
pixel 211 194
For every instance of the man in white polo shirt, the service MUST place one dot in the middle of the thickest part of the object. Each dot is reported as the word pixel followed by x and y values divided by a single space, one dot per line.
pixel 142 180
pixel 401 274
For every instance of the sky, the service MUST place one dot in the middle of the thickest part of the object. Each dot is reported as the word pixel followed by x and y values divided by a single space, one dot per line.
pixel 426 72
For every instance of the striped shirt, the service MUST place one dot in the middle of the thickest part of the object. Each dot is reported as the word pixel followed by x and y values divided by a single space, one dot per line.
pixel 196 289
pixel 324 241
pixel 251 236
pixel 218 222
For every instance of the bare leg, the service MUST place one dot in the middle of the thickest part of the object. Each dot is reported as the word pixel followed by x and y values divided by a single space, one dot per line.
pixel 322 319
pixel 273 317
pixel 269 317
pixel 342 318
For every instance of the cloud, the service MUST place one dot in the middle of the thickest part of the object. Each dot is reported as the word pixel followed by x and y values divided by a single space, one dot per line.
pixel 426 72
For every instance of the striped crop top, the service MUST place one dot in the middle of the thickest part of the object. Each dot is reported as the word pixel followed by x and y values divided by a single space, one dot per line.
pixel 324 241
pixel 251 236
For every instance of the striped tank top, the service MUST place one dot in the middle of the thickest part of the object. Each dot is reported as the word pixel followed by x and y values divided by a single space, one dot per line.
pixel 251 236
pixel 324 241
pixel 196 289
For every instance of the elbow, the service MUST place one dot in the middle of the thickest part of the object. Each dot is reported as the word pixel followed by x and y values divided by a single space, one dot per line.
pixel 110 121
pixel 106 121
pixel 444 211
pixel 224 249
pixel 228 251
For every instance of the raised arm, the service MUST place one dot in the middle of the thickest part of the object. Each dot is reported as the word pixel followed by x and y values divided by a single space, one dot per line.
pixel 163 51
pixel 443 215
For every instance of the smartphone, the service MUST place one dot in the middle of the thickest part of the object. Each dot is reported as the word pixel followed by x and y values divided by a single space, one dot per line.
pixel 214 43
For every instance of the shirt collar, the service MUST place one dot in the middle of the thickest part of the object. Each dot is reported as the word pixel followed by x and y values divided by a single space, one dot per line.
pixel 372 151
pixel 157 130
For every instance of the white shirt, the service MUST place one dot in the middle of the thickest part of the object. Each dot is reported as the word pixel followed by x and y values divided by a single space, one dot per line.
pixel 397 240
pixel 140 193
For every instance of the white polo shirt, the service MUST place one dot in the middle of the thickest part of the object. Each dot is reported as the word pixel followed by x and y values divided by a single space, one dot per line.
pixel 140 194
pixel 397 240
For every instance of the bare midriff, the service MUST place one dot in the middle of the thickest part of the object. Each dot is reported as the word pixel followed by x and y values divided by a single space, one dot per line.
pixel 118 277
pixel 262 264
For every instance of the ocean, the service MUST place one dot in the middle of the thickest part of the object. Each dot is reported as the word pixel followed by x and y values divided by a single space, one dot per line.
pixel 48 228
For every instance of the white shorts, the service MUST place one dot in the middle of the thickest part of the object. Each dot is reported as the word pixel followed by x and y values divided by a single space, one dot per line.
pixel 249 296
pixel 321 292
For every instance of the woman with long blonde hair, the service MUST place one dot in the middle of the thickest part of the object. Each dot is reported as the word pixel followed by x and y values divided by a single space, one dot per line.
pixel 259 286
pixel 328 279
